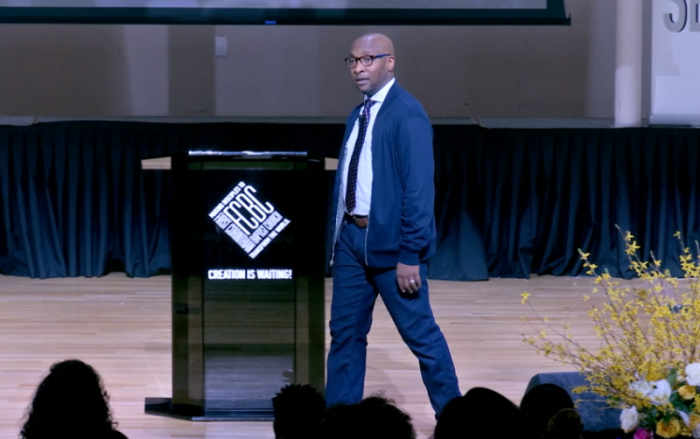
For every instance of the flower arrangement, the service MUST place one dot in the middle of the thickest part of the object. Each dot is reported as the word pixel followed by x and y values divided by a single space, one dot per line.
pixel 647 359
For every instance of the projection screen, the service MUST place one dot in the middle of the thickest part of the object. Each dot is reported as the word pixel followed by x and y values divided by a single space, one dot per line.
pixel 280 12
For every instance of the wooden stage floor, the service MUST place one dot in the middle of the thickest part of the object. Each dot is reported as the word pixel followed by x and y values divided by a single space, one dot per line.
pixel 122 327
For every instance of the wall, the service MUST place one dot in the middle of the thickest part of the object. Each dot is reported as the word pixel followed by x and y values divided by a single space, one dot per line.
pixel 514 72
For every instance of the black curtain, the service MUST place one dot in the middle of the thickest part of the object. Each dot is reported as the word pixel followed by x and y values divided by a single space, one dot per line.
pixel 515 202
pixel 75 202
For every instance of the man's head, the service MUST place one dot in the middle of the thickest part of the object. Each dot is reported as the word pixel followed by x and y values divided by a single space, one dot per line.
pixel 377 50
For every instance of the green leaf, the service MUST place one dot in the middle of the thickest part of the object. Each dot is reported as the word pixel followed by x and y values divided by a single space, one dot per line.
pixel 653 413
pixel 649 420
pixel 672 377
pixel 678 402
pixel 668 416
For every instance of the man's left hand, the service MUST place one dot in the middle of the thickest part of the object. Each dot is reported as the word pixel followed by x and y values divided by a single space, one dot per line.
pixel 408 277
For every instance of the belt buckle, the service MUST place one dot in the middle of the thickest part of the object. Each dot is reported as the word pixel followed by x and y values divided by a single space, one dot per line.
pixel 360 221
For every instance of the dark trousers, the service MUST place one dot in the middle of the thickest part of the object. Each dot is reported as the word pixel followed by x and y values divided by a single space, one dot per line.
pixel 355 289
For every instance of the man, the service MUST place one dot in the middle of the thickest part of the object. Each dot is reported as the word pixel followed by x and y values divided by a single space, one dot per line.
pixel 384 230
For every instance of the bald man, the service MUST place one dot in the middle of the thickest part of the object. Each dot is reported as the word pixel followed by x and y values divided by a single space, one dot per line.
pixel 384 229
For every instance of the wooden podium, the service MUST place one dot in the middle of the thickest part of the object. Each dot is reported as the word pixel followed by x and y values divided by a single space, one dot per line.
pixel 248 276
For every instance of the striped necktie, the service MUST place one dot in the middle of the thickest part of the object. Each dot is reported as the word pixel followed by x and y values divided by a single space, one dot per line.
pixel 351 187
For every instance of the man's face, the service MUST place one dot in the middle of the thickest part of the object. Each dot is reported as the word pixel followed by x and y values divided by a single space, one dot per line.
pixel 370 79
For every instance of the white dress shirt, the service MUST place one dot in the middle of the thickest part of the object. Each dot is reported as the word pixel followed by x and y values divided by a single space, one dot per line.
pixel 363 193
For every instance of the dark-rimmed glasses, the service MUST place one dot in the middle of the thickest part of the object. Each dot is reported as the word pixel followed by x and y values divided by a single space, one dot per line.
pixel 366 60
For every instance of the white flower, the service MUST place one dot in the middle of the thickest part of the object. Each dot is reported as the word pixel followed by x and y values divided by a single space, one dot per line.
pixel 629 419
pixel 692 374
pixel 661 392
pixel 641 388
pixel 684 416
pixel 696 432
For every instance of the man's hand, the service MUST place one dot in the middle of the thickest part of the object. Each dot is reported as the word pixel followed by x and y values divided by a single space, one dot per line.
pixel 408 278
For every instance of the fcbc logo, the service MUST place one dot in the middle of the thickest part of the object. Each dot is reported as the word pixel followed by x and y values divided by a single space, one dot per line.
pixel 251 223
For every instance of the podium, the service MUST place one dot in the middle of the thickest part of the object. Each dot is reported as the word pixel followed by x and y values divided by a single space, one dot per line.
pixel 248 281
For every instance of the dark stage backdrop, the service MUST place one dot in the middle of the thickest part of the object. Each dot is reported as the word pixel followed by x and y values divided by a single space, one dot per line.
pixel 75 202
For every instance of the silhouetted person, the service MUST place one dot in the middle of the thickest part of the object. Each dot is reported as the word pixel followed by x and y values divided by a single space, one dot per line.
pixel 566 424
pixel 540 404
pixel 480 414
pixel 298 410
pixel 375 417
pixel 381 419
pixel 70 403
pixel 340 422
pixel 451 422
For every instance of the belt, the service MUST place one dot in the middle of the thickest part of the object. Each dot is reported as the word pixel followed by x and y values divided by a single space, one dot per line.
pixel 359 221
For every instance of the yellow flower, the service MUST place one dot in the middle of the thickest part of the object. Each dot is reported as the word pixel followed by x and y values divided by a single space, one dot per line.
pixel 686 431
pixel 669 429
pixel 641 338
pixel 656 375
pixel 632 248
pixel 694 420
pixel 677 234
pixel 687 392
pixel 697 403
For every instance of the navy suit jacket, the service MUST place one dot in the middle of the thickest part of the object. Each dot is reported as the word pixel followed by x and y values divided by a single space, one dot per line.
pixel 401 219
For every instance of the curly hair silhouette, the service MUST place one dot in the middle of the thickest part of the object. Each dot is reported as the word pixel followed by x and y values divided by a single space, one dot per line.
pixel 70 402
pixel 375 417
pixel 298 411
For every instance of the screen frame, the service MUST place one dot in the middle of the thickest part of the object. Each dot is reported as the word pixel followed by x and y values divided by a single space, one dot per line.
pixel 553 14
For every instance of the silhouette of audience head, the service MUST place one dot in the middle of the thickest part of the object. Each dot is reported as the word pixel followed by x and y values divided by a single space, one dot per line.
pixel 70 402
pixel 340 422
pixel 298 410
pixel 566 424
pixel 375 417
pixel 451 423
pixel 480 413
pixel 540 404
pixel 381 419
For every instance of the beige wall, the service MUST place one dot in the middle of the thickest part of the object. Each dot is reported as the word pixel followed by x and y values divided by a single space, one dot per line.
pixel 79 71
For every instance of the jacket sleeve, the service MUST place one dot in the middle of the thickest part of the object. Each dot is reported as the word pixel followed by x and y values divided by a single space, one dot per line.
pixel 416 163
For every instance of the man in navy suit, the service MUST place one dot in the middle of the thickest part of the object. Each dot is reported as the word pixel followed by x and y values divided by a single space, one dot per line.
pixel 384 230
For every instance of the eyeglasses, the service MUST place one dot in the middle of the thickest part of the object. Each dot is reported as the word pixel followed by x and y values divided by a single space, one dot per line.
pixel 366 60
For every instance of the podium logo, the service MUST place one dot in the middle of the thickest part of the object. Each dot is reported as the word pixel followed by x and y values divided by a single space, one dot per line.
pixel 251 223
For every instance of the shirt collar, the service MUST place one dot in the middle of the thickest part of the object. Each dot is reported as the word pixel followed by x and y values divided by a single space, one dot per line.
pixel 381 94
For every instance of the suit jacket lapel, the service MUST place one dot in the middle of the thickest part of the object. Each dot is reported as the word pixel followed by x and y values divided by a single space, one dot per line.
pixel 390 97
